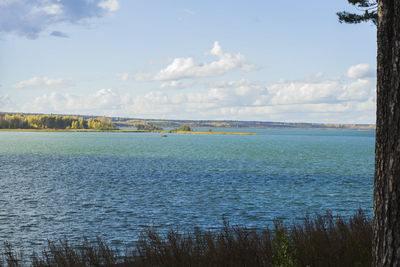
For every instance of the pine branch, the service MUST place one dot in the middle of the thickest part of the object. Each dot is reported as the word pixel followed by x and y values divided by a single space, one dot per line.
pixel 369 8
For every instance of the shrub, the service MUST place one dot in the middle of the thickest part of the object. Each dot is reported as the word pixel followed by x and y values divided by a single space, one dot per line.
pixel 148 127
pixel 184 128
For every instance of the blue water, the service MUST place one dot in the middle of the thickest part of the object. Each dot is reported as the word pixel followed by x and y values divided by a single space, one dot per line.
pixel 114 185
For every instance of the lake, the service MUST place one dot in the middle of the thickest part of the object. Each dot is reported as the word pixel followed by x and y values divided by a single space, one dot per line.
pixel 114 185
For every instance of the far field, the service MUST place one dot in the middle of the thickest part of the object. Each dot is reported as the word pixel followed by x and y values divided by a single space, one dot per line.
pixel 121 122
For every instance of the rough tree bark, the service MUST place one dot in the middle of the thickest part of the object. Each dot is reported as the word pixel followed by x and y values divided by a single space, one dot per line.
pixel 386 239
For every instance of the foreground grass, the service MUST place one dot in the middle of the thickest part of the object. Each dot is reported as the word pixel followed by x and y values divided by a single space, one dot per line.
pixel 317 241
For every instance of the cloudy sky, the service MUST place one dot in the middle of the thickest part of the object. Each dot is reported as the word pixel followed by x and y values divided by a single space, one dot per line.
pixel 262 60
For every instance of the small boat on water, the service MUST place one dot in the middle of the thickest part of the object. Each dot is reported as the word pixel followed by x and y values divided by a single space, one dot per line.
pixel 164 135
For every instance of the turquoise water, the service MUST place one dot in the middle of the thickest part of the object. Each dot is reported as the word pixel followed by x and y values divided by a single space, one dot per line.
pixel 114 185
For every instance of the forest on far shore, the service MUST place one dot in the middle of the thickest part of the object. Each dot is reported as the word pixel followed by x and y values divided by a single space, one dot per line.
pixel 22 121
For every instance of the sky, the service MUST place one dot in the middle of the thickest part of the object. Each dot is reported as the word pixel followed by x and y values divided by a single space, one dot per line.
pixel 253 60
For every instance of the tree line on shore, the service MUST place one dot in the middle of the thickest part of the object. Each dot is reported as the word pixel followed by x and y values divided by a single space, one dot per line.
pixel 154 128
pixel 21 121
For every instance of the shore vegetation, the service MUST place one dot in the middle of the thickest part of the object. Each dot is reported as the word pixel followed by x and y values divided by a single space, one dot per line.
pixel 321 240
pixel 148 127
pixel 22 121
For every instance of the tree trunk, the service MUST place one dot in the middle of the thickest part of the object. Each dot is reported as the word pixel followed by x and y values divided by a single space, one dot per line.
pixel 386 240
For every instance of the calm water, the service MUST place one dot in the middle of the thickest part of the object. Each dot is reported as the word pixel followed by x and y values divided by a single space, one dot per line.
pixel 112 185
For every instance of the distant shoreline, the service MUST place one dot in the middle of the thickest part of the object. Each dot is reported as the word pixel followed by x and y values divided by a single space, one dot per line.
pixel 110 122
pixel 121 122
pixel 125 131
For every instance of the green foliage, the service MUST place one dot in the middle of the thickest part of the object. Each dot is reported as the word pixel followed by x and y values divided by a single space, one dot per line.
pixel 148 127
pixel 184 128
pixel 102 123
pixel 19 121
pixel 368 12
pixel 283 254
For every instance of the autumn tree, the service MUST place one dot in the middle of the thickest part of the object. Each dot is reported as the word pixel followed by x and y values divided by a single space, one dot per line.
pixel 386 237
pixel 20 121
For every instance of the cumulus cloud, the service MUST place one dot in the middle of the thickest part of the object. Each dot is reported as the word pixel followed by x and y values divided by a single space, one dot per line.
pixel 110 5
pixel 29 18
pixel 303 92
pixel 106 98
pixel 181 68
pixel 315 99
pixel 122 76
pixel 325 91
pixel 101 102
pixel 43 82
pixel 360 71
pixel 172 85
pixel 52 9
pixel 359 90
pixel 312 99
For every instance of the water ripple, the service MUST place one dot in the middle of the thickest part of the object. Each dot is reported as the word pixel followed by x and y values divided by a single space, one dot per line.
pixel 113 186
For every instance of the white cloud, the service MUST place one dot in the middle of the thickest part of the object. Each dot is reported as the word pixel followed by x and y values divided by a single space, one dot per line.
pixel 110 5
pixel 309 100
pixel 182 68
pixel 104 101
pixel 53 9
pixel 104 98
pixel 122 76
pixel 360 71
pixel 29 18
pixel 359 90
pixel 302 92
pixel 323 91
pixel 43 82
pixel 172 85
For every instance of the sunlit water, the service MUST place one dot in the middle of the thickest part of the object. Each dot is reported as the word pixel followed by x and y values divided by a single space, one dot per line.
pixel 114 185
